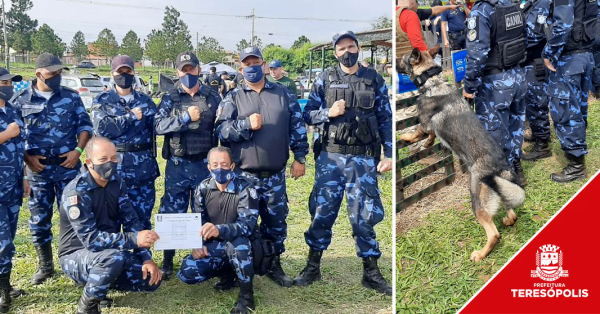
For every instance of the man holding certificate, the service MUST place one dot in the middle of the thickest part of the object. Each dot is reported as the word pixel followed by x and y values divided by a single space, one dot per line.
pixel 102 241
pixel 228 205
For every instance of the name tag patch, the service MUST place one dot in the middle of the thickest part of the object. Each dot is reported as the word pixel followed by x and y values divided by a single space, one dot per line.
pixel 32 106
pixel 339 86
pixel 513 20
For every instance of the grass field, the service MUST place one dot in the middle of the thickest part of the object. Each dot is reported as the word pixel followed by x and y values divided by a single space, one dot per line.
pixel 435 274
pixel 340 291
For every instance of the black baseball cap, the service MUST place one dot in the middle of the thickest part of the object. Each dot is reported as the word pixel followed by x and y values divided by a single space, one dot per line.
pixel 224 73
pixel 49 62
pixel 250 52
pixel 121 61
pixel 345 34
pixel 5 76
pixel 185 58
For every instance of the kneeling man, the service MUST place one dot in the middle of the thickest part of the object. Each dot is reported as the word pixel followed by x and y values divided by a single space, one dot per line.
pixel 228 204
pixel 102 241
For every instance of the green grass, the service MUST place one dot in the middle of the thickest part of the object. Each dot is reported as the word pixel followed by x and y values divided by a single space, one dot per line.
pixel 340 291
pixel 435 274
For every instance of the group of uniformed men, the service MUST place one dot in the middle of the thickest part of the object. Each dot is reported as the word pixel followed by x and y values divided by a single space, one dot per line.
pixel 105 209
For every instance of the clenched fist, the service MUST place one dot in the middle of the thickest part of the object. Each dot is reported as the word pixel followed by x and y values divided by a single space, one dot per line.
pixel 338 108
pixel 194 113
pixel 255 121
pixel 137 111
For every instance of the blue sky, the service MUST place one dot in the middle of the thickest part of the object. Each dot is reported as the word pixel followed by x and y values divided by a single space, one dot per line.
pixel 66 17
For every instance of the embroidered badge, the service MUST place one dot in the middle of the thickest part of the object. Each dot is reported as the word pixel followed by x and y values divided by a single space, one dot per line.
pixel 74 212
pixel 472 35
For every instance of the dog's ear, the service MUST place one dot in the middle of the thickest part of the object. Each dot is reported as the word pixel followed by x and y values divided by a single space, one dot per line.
pixel 398 66
pixel 415 56
pixel 434 50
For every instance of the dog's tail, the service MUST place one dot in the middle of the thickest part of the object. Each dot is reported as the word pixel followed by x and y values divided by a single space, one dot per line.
pixel 512 195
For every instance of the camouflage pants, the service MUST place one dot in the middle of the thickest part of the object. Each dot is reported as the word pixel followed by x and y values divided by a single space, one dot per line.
pixel 9 215
pixel 41 202
pixel 143 196
pixel 237 252
pixel 596 73
pixel 499 107
pixel 357 177
pixel 568 90
pixel 182 177
pixel 273 208
pixel 104 270
pixel 536 105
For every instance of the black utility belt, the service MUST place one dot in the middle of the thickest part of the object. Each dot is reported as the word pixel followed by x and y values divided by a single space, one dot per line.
pixel 458 33
pixel 368 150
pixel 128 147
pixel 52 160
pixel 263 174
pixel 576 51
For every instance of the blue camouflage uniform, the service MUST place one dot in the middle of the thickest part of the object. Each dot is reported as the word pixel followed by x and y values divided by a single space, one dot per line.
pixel 182 175
pixel 596 75
pixel 354 174
pixel 569 86
pixel 235 231
pixel 52 127
pixel 98 238
pixel 498 90
pixel 536 98
pixel 271 143
pixel 134 139
pixel 12 153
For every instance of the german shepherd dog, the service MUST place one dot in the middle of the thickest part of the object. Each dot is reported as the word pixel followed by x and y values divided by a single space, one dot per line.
pixel 445 114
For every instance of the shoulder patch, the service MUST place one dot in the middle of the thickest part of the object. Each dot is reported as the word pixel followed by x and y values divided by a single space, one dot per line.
pixel 472 22
pixel 74 212
pixel 252 192
pixel 541 19
pixel 72 200
pixel 472 35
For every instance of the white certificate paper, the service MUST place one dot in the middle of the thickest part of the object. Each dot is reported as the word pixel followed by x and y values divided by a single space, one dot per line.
pixel 178 231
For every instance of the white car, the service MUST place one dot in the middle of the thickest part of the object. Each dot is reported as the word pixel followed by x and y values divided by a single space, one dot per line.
pixel 88 87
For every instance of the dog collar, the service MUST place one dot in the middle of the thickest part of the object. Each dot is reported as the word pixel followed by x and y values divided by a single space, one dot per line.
pixel 422 79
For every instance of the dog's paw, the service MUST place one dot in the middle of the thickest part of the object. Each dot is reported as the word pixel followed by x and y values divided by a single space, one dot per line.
pixel 477 256
pixel 407 137
pixel 507 221
pixel 428 143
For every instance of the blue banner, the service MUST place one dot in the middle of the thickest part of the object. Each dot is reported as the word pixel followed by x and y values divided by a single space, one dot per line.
pixel 405 84
pixel 459 64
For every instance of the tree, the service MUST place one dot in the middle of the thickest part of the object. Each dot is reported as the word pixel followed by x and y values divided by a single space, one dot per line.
pixel 78 46
pixel 45 40
pixel 154 47
pixel 382 22
pixel 131 46
pixel 106 44
pixel 20 26
pixel 300 42
pixel 176 34
pixel 243 44
pixel 279 53
pixel 210 50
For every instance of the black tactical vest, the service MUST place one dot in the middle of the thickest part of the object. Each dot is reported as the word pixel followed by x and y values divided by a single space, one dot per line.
pixel 507 37
pixel 268 149
pixel 356 132
pixel 585 27
pixel 198 139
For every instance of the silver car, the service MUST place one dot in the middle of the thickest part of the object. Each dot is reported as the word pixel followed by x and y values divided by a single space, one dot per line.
pixel 88 86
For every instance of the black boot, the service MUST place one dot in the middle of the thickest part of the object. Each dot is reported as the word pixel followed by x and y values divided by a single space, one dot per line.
pixel 312 271
pixel 16 292
pixel 88 305
pixel 597 92
pixel 228 279
pixel 167 265
pixel 372 278
pixel 245 301
pixel 106 303
pixel 540 150
pixel 521 181
pixel 575 170
pixel 529 138
pixel 277 274
pixel 45 263
pixel 5 298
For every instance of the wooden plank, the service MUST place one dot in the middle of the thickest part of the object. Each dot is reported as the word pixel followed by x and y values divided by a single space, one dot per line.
pixel 420 155
pixel 425 171
pixel 407 122
pixel 402 103
pixel 423 193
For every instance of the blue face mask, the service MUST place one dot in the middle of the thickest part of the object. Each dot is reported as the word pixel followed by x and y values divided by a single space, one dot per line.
pixel 221 175
pixel 189 80
pixel 253 74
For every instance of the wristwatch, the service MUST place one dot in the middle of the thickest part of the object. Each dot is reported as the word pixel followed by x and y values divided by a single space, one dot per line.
pixel 301 160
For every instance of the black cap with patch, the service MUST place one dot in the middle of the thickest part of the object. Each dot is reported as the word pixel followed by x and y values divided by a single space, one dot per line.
pixel 185 58
pixel 5 76
pixel 250 52
pixel 122 61
pixel 345 34
pixel 49 62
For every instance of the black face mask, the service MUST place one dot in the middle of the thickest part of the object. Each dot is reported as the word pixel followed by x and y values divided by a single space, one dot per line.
pixel 6 92
pixel 348 59
pixel 124 80
pixel 53 83
pixel 106 170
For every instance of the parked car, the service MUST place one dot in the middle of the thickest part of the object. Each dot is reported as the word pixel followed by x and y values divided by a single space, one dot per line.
pixel 88 86
pixel 106 81
pixel 86 65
